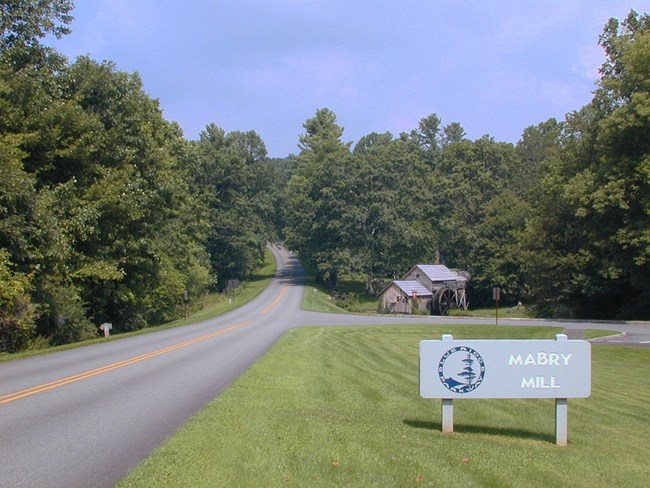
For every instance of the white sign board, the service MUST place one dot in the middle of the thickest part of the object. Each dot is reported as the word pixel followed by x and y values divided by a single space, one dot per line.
pixel 451 369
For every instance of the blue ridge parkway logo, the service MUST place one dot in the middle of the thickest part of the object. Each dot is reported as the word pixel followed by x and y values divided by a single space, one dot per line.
pixel 461 369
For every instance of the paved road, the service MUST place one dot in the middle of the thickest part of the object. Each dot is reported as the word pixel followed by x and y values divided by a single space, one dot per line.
pixel 86 417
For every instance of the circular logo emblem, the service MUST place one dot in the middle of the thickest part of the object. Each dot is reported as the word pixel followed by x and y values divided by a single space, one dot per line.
pixel 461 369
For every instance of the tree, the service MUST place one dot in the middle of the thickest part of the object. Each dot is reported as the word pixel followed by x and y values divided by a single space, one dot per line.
pixel 538 147
pixel 394 224
pixel 364 213
pixel 452 133
pixel 232 176
pixel 594 215
pixel 478 215
pixel 25 22
pixel 315 206
pixel 99 221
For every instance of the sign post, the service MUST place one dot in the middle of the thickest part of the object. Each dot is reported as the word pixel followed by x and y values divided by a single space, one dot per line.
pixel 496 295
pixel 561 413
pixel 447 403
pixel 559 369
pixel 231 285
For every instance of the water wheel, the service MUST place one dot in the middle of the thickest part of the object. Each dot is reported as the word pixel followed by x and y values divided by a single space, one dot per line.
pixel 442 301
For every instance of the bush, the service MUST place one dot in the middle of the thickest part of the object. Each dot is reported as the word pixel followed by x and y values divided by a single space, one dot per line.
pixel 17 314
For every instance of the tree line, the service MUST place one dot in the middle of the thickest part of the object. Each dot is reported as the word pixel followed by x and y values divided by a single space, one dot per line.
pixel 108 214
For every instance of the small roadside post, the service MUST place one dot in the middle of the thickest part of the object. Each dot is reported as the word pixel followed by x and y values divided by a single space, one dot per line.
pixel 186 300
pixel 106 328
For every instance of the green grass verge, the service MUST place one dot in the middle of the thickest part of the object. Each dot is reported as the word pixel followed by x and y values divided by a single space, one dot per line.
pixel 340 407
pixel 595 333
pixel 317 299
pixel 211 306
pixel 505 313
pixel 353 298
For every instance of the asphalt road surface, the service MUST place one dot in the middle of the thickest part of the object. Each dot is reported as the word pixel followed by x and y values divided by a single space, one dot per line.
pixel 86 417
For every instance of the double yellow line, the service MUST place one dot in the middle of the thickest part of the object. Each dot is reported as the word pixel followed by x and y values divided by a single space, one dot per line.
pixel 274 302
pixel 120 364
pixel 110 367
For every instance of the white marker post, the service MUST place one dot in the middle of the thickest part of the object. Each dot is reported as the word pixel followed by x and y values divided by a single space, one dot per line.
pixel 558 369
pixel 106 327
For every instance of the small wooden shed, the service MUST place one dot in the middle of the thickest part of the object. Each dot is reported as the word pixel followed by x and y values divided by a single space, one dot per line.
pixel 403 296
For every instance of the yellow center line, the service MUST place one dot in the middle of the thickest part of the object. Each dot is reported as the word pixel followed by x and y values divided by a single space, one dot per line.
pixel 275 302
pixel 110 367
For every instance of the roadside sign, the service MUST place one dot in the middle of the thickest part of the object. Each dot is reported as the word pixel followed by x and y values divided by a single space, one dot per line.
pixel 452 369
pixel 496 293
pixel 505 369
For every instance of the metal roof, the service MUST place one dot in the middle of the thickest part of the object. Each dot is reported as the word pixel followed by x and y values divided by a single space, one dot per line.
pixel 409 287
pixel 440 272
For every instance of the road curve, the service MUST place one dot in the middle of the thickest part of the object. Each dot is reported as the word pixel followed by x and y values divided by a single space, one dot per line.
pixel 87 416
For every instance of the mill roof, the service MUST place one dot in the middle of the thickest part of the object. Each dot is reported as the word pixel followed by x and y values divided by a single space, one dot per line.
pixel 440 272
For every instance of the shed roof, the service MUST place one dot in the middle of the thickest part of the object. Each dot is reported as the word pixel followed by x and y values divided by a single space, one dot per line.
pixel 409 287
pixel 440 272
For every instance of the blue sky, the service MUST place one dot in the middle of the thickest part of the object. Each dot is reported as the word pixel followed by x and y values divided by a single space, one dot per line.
pixel 494 66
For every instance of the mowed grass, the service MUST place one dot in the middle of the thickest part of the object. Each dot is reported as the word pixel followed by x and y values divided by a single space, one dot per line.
pixel 337 407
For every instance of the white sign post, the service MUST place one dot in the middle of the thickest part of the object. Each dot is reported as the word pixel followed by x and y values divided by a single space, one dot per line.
pixel 559 369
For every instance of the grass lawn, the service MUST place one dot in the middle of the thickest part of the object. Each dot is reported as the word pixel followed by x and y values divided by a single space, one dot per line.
pixel 340 407
pixel 211 306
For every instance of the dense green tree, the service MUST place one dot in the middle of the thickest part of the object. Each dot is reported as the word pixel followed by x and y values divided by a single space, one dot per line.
pixel 25 22
pixel 362 213
pixel 102 208
pixel 395 227
pixel 315 205
pixel 451 133
pixel 232 176
pixel 139 251
pixel 537 148
pixel 278 175
pixel 589 243
pixel 98 218
pixel 428 134
pixel 478 215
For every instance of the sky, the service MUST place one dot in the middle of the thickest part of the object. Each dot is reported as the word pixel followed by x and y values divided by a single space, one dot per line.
pixel 494 66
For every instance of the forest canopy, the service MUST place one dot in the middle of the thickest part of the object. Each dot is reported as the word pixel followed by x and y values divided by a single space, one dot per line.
pixel 108 213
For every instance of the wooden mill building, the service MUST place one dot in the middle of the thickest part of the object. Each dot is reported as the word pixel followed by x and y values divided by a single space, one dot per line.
pixel 429 288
